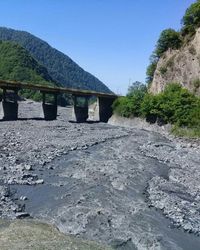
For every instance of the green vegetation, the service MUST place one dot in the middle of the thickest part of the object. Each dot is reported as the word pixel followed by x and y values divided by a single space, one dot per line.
pixel 151 69
pixel 196 84
pixel 60 67
pixel 131 104
pixel 175 105
pixel 191 19
pixel 169 39
pixel 17 64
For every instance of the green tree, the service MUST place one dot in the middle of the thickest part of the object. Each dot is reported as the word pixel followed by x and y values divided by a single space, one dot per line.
pixel 191 19
pixel 137 88
pixel 150 72
pixel 131 104
pixel 169 38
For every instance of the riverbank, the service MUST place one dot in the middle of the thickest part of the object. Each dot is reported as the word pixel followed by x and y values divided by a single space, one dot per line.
pixel 29 235
pixel 100 182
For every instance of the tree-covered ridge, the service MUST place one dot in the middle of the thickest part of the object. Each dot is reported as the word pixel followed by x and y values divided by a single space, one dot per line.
pixel 61 68
pixel 17 64
pixel 171 39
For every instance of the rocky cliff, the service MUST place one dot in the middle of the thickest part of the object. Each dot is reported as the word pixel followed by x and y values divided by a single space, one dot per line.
pixel 180 66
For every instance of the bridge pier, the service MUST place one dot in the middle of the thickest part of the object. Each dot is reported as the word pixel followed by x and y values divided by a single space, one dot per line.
pixel 10 107
pixel 105 108
pixel 80 108
pixel 49 109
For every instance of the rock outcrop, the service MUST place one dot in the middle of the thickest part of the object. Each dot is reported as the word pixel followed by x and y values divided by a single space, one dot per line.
pixel 180 66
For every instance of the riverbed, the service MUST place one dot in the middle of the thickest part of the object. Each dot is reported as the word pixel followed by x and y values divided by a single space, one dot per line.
pixel 129 188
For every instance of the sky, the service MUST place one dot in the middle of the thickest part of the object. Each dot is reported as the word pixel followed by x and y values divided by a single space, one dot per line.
pixel 111 39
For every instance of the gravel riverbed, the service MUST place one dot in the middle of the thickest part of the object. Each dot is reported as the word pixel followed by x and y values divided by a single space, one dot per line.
pixel 129 188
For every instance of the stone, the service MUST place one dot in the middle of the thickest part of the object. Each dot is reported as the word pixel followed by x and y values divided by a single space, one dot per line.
pixel 40 181
pixel 22 215
pixel 23 198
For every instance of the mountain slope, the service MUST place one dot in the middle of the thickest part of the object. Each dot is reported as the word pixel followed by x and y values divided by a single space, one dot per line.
pixel 180 66
pixel 61 68
pixel 17 64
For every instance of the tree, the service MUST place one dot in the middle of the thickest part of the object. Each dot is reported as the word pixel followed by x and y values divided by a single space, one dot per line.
pixel 150 72
pixel 191 19
pixel 169 38
pixel 192 15
pixel 130 105
pixel 137 88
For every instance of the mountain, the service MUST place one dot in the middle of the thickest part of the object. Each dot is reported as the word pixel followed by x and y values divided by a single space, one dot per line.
pixel 180 66
pixel 17 64
pixel 61 68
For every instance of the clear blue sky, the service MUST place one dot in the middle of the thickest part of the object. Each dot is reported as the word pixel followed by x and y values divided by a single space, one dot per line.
pixel 111 39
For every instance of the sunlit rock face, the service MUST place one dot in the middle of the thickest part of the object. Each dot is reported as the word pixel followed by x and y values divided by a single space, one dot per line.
pixel 180 66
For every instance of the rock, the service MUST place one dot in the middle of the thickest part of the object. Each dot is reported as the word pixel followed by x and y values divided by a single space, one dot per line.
pixel 21 215
pixel 40 181
pixel 28 167
pixel 23 198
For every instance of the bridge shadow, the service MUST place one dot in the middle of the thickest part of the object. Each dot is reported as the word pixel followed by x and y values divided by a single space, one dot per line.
pixel 24 119
pixel 42 119
pixel 88 122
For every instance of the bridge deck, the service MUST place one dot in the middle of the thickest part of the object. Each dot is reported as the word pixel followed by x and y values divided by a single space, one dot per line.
pixel 49 89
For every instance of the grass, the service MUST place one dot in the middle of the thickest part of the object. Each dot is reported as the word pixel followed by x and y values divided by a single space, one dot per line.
pixel 186 132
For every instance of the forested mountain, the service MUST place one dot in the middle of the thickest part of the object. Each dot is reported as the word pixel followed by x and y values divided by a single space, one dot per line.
pixel 61 68
pixel 17 64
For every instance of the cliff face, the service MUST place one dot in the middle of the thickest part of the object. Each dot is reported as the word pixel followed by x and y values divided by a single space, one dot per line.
pixel 180 66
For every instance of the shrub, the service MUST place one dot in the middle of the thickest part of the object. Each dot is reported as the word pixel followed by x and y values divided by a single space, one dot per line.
pixel 131 104
pixel 123 106
pixel 196 84
pixel 174 105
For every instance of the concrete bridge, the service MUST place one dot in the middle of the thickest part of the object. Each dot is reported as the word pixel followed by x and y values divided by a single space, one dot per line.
pixel 80 101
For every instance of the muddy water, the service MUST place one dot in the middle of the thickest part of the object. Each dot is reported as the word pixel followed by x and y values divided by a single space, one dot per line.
pixel 100 194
